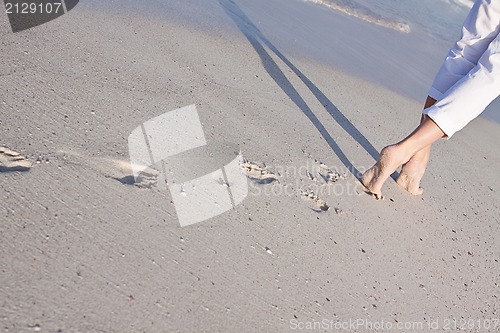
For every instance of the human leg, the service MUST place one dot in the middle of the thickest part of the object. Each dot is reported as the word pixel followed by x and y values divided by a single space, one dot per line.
pixel 460 104
pixel 467 82
pixel 479 30
pixel 391 157
pixel 412 171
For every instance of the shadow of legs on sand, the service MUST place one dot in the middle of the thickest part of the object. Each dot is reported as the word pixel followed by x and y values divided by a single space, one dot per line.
pixel 258 42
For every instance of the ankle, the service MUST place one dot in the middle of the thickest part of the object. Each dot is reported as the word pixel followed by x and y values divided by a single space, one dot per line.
pixel 402 152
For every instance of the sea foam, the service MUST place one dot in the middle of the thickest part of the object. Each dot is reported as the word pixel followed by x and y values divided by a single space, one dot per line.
pixel 364 14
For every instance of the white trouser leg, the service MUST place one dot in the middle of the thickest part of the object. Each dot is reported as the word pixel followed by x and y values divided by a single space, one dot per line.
pixel 469 79
pixel 467 98
pixel 481 26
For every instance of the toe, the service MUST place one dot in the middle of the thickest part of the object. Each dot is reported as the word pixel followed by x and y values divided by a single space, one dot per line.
pixel 418 191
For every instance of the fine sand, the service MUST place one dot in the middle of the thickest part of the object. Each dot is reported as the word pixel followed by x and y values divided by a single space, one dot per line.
pixel 85 248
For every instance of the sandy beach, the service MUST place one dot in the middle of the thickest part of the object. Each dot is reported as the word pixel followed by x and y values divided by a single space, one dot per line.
pixel 85 248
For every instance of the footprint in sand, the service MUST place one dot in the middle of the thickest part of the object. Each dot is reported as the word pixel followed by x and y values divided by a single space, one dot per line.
pixel 328 175
pixel 12 161
pixel 148 178
pixel 319 171
pixel 120 170
pixel 258 174
pixel 315 202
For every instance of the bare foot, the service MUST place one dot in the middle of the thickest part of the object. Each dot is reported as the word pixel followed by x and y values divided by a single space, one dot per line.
pixel 391 158
pixel 411 174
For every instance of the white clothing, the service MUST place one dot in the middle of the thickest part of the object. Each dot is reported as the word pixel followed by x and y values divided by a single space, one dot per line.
pixel 469 79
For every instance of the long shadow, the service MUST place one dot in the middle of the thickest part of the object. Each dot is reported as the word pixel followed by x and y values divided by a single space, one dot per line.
pixel 258 41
